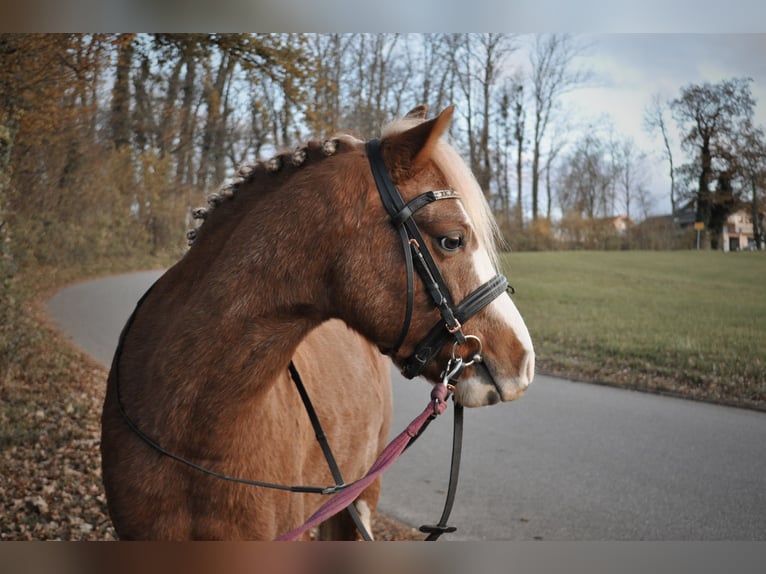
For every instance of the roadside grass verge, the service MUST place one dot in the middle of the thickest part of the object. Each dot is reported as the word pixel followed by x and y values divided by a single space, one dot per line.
pixel 681 322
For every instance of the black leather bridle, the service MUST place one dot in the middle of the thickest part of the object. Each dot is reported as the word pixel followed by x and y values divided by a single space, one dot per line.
pixel 417 257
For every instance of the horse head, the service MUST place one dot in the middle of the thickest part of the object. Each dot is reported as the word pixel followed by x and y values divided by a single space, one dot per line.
pixel 459 238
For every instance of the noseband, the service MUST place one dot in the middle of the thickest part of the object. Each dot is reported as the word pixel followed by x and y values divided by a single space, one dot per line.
pixel 417 257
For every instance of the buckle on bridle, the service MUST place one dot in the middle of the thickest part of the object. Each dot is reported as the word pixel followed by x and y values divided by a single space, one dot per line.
pixel 455 329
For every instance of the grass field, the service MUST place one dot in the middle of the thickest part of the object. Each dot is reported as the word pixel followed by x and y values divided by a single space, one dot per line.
pixel 686 322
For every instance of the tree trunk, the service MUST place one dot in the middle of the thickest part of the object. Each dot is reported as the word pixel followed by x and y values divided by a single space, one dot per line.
pixel 672 172
pixel 167 123
pixel 120 118
pixel 704 195
pixel 519 204
pixel 535 178
pixel 185 148
pixel 485 171
pixel 756 217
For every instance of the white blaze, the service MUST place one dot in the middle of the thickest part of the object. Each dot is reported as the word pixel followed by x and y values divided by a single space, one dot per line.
pixel 502 307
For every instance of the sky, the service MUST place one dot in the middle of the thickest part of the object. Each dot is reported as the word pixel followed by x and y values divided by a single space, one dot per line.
pixel 628 69
pixel 389 16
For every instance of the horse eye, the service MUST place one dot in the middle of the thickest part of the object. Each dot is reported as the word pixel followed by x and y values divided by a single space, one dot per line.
pixel 451 243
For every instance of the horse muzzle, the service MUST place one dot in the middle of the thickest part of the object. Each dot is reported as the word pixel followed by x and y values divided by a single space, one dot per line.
pixel 482 384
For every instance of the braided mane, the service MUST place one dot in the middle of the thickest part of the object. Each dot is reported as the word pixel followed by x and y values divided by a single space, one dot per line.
pixel 246 173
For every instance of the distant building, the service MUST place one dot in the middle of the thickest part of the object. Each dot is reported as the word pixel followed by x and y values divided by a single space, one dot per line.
pixel 738 232
pixel 577 231
pixel 620 223
pixel 685 216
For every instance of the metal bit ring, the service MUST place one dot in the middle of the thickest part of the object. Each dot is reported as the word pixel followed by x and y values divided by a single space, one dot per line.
pixel 475 357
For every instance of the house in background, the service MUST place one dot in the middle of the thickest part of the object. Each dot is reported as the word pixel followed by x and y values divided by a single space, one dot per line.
pixel 678 231
pixel 580 232
pixel 620 223
pixel 738 232
pixel 685 216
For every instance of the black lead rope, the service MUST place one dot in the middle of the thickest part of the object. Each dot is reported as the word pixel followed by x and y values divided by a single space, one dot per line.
pixel 436 530
pixel 325 446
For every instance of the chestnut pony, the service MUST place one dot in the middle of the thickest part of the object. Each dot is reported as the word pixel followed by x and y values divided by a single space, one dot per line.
pixel 298 261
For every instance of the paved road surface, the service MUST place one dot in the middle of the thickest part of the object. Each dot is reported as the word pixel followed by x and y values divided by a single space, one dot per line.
pixel 569 461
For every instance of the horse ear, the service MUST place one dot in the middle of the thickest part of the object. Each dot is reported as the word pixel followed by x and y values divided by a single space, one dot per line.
pixel 418 113
pixel 406 151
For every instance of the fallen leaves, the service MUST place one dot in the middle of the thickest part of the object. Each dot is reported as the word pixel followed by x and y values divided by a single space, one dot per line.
pixel 51 478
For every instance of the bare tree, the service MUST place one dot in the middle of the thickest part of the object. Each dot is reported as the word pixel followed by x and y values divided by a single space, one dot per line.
pixel 478 65
pixel 120 117
pixel 551 76
pixel 323 112
pixel 217 107
pixel 654 121
pixel 373 79
pixel 557 142
pixel 586 178
pixel 501 156
pixel 143 121
pixel 519 133
pixel 630 160
pixel 438 81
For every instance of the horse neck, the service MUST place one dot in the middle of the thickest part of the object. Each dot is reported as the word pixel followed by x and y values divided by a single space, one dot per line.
pixel 262 277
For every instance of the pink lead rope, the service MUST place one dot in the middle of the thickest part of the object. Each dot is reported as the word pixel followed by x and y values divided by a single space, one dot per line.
pixel 342 499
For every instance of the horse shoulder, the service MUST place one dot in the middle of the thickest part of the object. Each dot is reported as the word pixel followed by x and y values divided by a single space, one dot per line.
pixel 350 381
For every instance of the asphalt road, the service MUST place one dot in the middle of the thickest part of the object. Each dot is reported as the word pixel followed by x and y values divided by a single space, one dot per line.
pixel 569 461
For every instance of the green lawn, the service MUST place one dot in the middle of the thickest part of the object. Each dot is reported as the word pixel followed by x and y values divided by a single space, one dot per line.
pixel 684 322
